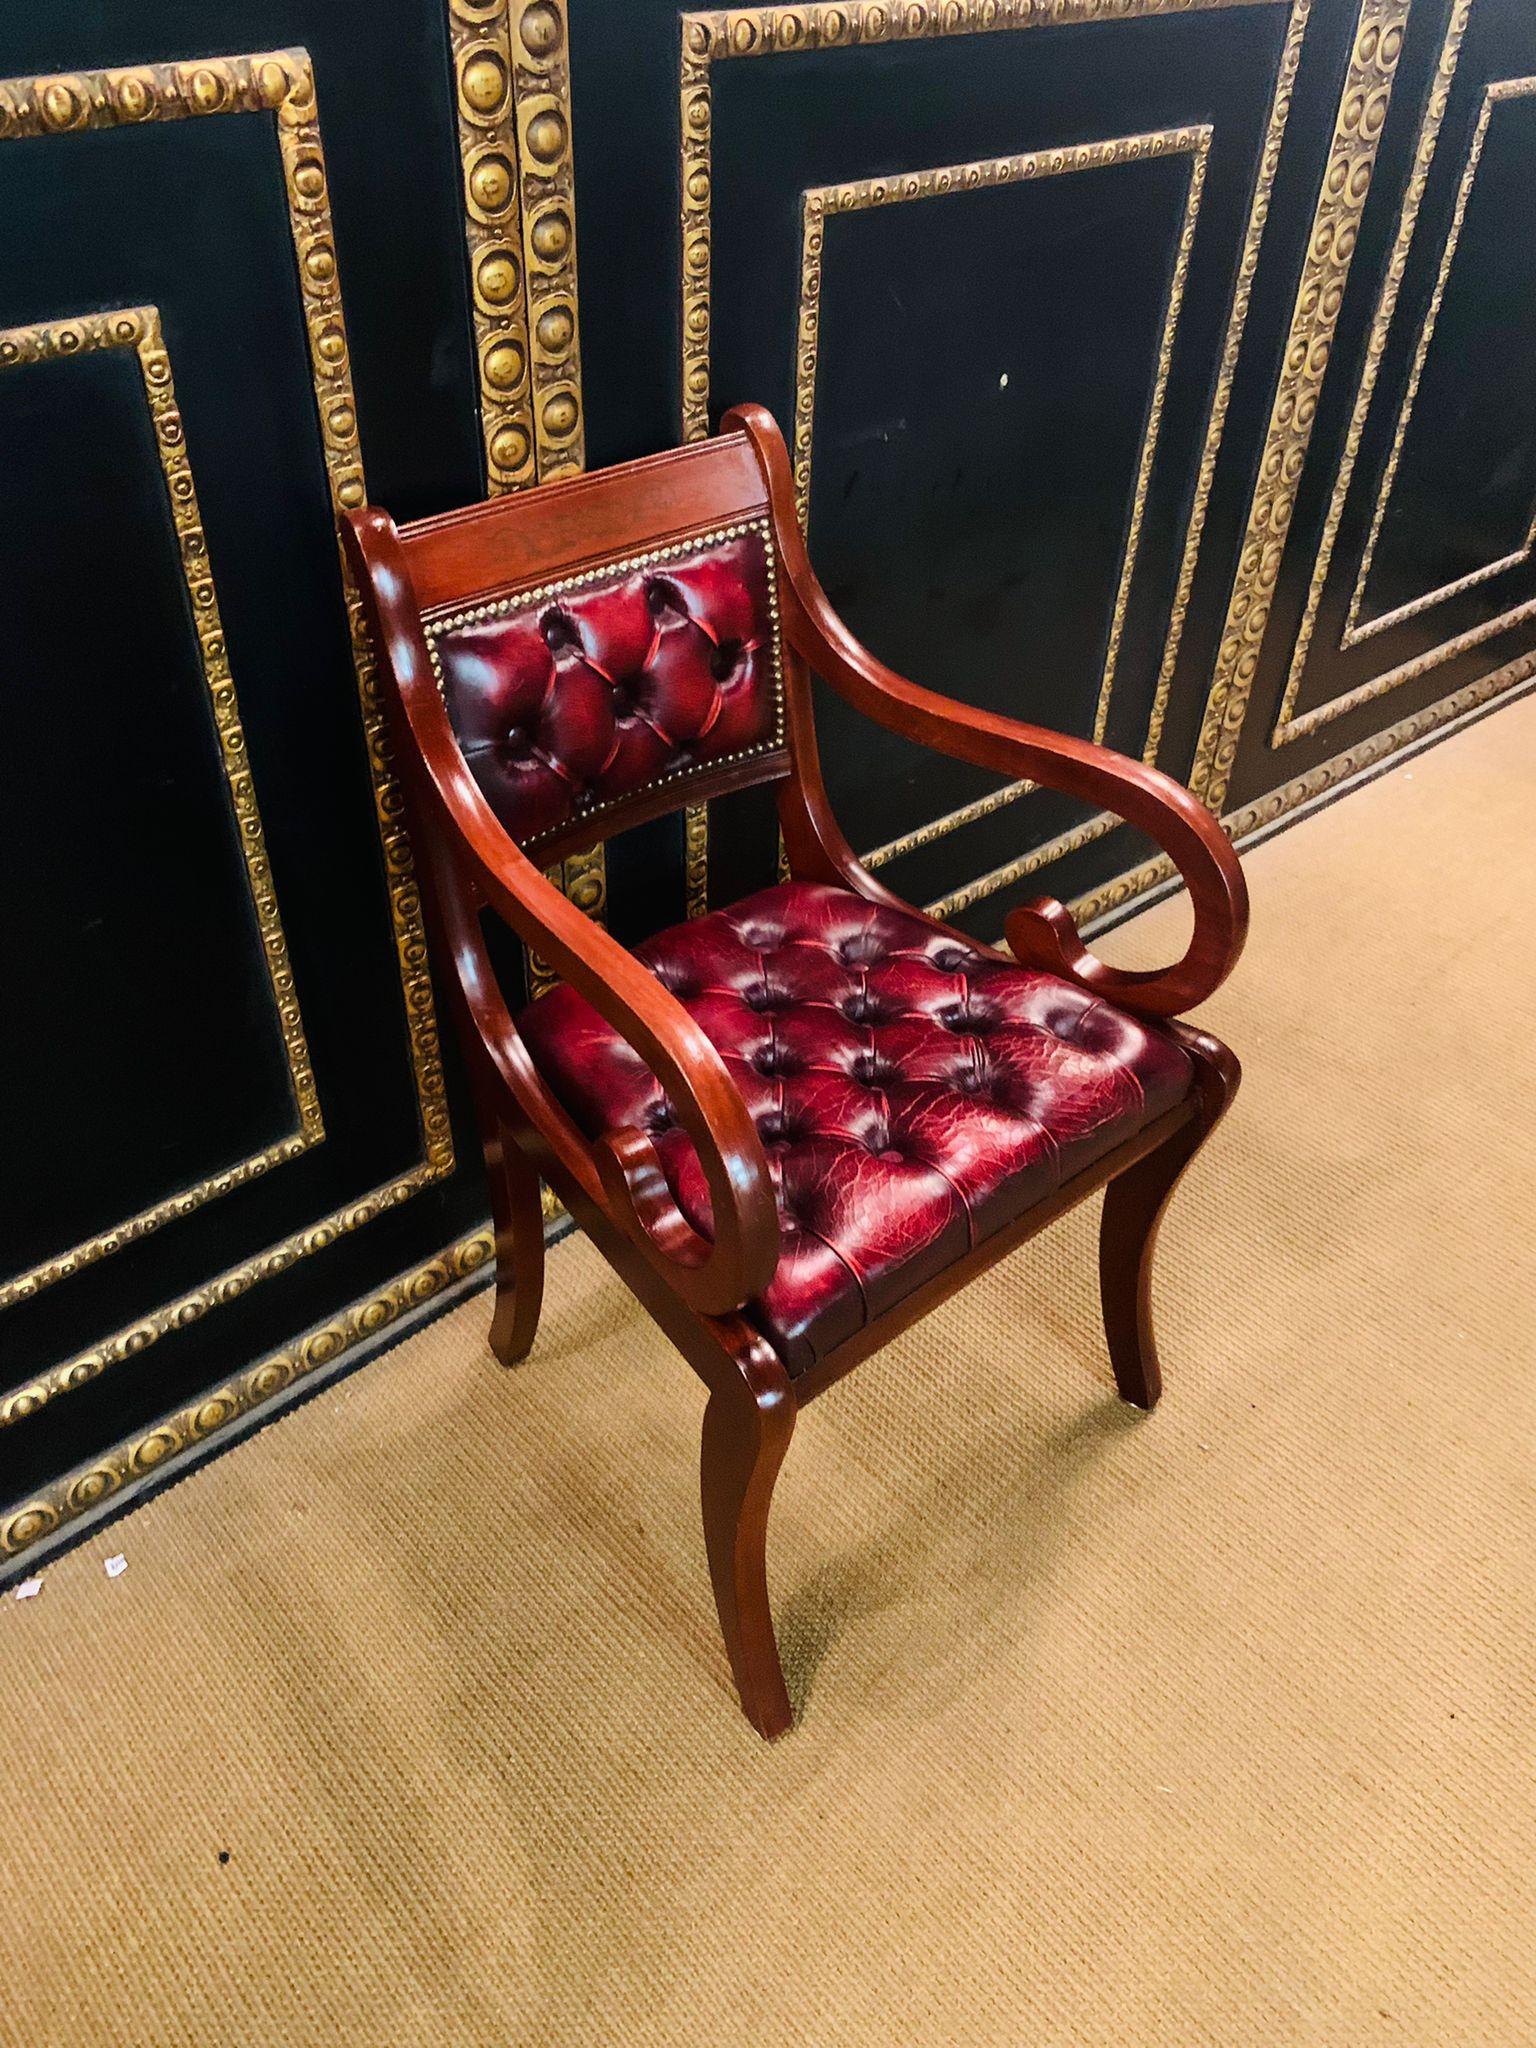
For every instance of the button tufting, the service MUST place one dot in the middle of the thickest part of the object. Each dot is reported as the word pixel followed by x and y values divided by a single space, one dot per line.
pixel 559 630
pixel 724 659
pixel 629 678
pixel 952 1142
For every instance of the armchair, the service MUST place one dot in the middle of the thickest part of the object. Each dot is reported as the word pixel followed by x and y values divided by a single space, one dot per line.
pixel 794 1125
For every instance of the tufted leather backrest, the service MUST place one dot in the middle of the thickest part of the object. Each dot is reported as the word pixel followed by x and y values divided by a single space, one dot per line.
pixel 627 688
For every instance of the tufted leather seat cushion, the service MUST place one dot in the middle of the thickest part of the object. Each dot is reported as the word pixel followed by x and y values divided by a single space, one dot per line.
pixel 914 1091
pixel 567 701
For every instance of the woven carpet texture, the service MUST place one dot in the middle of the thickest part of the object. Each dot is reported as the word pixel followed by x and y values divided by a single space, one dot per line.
pixel 408 1723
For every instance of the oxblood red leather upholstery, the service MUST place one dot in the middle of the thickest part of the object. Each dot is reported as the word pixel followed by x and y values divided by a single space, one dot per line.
pixel 566 704
pixel 914 1091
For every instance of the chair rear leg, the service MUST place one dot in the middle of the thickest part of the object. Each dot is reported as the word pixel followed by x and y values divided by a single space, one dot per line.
pixel 746 1433
pixel 1134 1205
pixel 519 1218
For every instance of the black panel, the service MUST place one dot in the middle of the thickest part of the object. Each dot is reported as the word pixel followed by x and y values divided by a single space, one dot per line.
pixel 1466 485
pixel 978 545
pixel 129 1100
pixel 164 1020
pixel 1010 462
pixel 222 273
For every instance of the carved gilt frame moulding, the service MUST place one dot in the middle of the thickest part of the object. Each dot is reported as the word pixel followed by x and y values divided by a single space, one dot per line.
pixel 861 194
pixel 1359 120
pixel 138 328
pixel 1346 182
pixel 279 83
pixel 1500 93
pixel 724 35
pixel 1291 724
pixel 513 97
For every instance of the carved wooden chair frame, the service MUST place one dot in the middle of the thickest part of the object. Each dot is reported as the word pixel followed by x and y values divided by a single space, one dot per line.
pixel 698 1287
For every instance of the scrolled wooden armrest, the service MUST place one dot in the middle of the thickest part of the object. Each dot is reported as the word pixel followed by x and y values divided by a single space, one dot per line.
pixel 1041 933
pixel 714 1275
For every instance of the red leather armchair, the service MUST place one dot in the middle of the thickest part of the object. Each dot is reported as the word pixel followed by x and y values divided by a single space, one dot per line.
pixel 796 1124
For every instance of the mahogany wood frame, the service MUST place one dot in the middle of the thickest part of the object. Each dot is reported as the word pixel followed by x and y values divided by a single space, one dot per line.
pixel 696 1288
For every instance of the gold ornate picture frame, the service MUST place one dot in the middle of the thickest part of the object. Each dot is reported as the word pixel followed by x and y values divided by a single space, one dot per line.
pixel 820 204
pixel 279 83
pixel 138 329
pixel 726 35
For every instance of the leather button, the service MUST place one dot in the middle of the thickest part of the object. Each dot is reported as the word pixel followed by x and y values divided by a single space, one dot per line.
pixel 724 659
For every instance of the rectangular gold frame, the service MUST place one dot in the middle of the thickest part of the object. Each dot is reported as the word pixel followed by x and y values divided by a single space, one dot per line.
pixel 1498 94
pixel 859 195
pixel 280 83
pixel 722 35
pixel 1346 182
pixel 1290 724
pixel 138 328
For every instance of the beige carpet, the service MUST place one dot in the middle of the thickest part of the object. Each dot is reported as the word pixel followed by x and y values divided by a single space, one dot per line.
pixel 1213 1728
